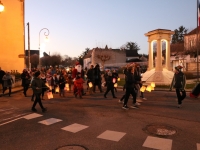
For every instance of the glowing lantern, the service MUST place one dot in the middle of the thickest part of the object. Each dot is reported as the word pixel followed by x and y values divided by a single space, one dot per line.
pixel 67 88
pixel 118 79
pixel 152 88
pixel 67 85
pixel 1 7
pixel 115 85
pixel 153 84
pixel 143 88
pixel 90 84
pixel 57 90
pixel 49 95
pixel 114 80
pixel 148 88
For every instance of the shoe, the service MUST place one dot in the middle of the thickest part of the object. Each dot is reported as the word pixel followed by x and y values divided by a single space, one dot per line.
pixel 139 100
pixel 114 97
pixel 120 101
pixel 24 94
pixel 135 107
pixel 125 107
pixel 179 106
pixel 44 110
pixel 137 104
pixel 34 110
pixel 144 98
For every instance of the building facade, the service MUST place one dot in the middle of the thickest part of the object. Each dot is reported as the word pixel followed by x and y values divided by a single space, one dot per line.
pixel 12 45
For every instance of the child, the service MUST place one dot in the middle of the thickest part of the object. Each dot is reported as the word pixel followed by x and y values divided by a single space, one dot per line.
pixel 78 85
pixel 110 85
pixel 61 83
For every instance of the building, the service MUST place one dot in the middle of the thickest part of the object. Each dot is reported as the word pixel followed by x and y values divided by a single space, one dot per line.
pixel 12 45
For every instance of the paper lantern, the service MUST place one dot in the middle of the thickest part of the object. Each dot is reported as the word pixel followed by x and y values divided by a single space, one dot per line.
pixel 148 88
pixel 114 80
pixel 143 88
pixel 153 84
pixel 90 84
pixel 67 88
pixel 49 95
pixel 66 85
pixel 115 85
pixel 152 88
pixel 118 79
pixel 57 90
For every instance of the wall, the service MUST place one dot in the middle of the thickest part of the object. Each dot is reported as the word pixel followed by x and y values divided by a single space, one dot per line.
pixel 12 35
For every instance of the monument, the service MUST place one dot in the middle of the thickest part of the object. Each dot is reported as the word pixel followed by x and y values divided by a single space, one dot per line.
pixel 161 75
pixel 12 45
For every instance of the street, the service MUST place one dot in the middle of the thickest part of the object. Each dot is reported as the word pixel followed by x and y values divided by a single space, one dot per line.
pixel 98 123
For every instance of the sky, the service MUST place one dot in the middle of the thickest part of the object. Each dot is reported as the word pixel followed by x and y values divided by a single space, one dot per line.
pixel 75 25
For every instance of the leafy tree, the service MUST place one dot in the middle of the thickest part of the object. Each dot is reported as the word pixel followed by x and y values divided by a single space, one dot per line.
pixel 178 36
pixel 130 46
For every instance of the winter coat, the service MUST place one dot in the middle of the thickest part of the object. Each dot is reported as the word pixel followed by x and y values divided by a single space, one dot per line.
pixel 61 82
pixel 7 80
pixel 178 81
pixel 109 82
pixel 38 83
pixel 90 74
pixel 78 83
pixel 26 78
pixel 130 80
pixel 2 73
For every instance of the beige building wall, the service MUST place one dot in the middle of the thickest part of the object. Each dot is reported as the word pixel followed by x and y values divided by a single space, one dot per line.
pixel 12 35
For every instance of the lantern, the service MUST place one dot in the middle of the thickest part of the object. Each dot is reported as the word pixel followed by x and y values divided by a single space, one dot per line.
pixel 90 84
pixel 148 88
pixel 49 95
pixel 153 84
pixel 67 85
pixel 143 88
pixel 114 80
pixel 115 85
pixel 67 88
pixel 57 90
pixel 118 79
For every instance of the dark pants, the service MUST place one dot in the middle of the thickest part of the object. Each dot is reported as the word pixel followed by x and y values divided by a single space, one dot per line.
pixel 2 86
pixel 141 93
pixel 109 89
pixel 5 88
pixel 130 91
pixel 98 83
pixel 180 95
pixel 25 89
pixel 37 100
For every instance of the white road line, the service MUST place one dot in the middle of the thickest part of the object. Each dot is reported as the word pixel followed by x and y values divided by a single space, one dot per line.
pixel 11 121
pixel 6 109
pixel 15 116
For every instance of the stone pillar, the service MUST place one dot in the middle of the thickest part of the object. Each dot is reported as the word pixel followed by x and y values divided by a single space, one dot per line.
pixel 150 57
pixel 159 57
pixel 168 67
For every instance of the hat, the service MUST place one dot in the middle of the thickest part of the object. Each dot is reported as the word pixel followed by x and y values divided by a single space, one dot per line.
pixel 178 68
pixel 37 73
pixel 77 63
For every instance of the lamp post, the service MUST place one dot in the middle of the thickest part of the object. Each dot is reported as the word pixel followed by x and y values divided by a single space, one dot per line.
pixel 1 7
pixel 46 34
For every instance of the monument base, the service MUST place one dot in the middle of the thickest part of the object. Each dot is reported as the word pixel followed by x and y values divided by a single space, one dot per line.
pixel 158 77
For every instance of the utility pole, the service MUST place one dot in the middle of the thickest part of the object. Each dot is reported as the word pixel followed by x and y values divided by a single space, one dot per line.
pixel 29 59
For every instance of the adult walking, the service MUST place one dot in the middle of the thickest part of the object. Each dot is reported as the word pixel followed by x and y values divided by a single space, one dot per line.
pixel 179 83
pixel 37 85
pixel 7 82
pixel 26 79
pixel 130 87
pixel 97 78
pixel 90 76
pixel 2 73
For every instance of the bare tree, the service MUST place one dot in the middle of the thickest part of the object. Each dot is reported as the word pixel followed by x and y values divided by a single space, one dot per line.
pixel 103 56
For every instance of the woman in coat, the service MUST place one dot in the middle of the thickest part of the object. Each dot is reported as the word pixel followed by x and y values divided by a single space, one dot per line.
pixel 7 82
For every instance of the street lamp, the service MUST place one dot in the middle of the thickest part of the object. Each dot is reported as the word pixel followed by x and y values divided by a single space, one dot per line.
pixel 46 34
pixel 1 6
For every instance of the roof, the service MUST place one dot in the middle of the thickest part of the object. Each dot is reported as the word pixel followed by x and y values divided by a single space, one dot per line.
pixel 132 53
pixel 194 31
pixel 177 47
pixel 89 54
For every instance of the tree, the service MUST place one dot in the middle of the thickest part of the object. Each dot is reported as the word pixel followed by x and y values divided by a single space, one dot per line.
pixel 130 46
pixel 45 61
pixel 55 60
pixel 103 56
pixel 178 36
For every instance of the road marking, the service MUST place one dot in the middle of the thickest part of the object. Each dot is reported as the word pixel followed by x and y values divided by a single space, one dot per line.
pixel 158 143
pixel 14 117
pixel 49 121
pixel 75 127
pixel 31 116
pixel 6 109
pixel 111 135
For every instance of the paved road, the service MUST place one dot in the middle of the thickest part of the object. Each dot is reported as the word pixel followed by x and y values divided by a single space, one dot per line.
pixel 97 123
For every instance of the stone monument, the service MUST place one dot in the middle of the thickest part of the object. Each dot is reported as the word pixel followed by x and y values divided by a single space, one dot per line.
pixel 161 75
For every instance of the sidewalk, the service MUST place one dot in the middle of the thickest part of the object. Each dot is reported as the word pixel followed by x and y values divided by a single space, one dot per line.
pixel 14 90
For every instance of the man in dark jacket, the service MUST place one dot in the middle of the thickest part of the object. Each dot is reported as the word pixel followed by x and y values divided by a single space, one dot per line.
pixel 2 73
pixel 26 79
pixel 179 83
pixel 37 85
pixel 90 75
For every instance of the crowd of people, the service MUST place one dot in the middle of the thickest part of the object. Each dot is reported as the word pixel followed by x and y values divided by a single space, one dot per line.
pixel 55 80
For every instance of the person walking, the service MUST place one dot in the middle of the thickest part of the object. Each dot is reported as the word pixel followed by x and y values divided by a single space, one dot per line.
pixel 115 76
pixel 179 83
pixel 26 79
pixel 2 73
pixel 37 85
pixel 110 85
pixel 7 82
pixel 90 76
pixel 97 78
pixel 61 83
pixel 130 88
